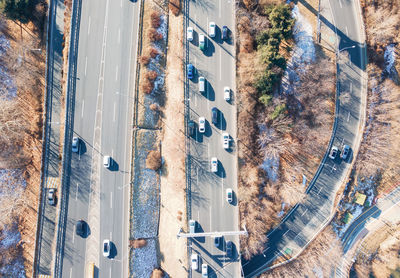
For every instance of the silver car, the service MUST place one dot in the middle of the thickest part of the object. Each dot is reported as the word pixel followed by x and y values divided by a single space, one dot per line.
pixel 345 152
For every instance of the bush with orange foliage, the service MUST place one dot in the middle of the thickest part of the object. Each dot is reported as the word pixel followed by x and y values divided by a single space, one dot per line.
pixel 147 86
pixel 155 19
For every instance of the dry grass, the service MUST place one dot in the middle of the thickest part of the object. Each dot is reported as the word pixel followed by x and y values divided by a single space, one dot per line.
pixel 379 254
pixel 175 6
pixel 295 139
pixel 153 160
pixel 21 124
pixel 319 257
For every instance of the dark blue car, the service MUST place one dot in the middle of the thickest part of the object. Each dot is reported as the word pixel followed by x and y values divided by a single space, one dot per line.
pixel 190 71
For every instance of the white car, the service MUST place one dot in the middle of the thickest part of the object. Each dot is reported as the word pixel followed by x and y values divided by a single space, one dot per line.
pixel 202 42
pixel 211 29
pixel 225 140
pixel 192 226
pixel 333 153
pixel 202 124
pixel 189 34
pixel 75 144
pixel 106 248
pixel 214 164
pixel 229 195
pixel 204 270
pixel 194 259
pixel 107 161
pixel 227 93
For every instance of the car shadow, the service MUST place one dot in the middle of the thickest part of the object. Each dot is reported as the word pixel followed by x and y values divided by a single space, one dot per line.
pixel 82 147
pixel 221 170
pixel 210 93
pixel 195 40
pixel 210 48
pixel 221 124
pixel 86 230
pixel 200 230
pixel 114 166
pixel 113 250
pixel 208 131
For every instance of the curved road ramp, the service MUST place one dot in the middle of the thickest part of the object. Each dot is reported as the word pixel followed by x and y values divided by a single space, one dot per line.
pixel 308 218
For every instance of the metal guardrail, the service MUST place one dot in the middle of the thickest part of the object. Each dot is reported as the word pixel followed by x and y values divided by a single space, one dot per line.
pixel 185 11
pixel 68 130
pixel 45 144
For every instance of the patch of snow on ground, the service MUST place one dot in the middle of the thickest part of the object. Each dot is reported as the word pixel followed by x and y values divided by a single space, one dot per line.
pixel 303 51
pixel 389 57
pixel 282 210
pixel 271 166
pixel 8 89
pixel 144 260
pixel 4 44
pixel 15 269
pixel 9 237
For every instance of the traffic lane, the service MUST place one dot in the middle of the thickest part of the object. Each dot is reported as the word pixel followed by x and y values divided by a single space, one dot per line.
pixel 74 250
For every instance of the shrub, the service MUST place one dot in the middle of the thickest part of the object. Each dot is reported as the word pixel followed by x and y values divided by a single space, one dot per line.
pixel 151 75
pixel 265 99
pixel 175 6
pixel 147 86
pixel 153 160
pixel 153 52
pixel 137 243
pixel 155 19
pixel 157 273
pixel 265 82
pixel 279 109
pixel 144 60
pixel 246 43
pixel 154 107
pixel 153 35
pixel 280 17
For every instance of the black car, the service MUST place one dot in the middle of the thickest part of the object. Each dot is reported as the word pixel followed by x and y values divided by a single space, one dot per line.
pixel 229 249
pixel 214 115
pixel 192 128
pixel 225 32
pixel 80 228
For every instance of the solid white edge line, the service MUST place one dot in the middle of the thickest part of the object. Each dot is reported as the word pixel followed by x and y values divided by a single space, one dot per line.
pixel 111 199
pixel 85 65
pixel 88 30
pixel 116 73
pixel 83 107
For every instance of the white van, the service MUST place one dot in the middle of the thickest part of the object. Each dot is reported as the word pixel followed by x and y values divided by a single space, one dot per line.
pixel 202 84
pixel 107 161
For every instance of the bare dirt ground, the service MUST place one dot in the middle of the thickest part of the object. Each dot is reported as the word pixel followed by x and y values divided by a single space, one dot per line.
pixel 276 154
pixel 172 251
pixel 26 65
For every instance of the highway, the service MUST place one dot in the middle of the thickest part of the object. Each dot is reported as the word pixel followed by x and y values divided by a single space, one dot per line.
pixel 305 221
pixel 102 121
pixel 208 204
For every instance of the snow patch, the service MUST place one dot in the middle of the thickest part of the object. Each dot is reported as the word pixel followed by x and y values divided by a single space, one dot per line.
pixel 8 90
pixel 390 57
pixel 271 166
pixel 302 54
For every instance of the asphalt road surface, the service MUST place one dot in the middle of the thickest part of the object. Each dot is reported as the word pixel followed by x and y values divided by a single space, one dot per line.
pixel 306 220
pixel 208 204
pixel 103 111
